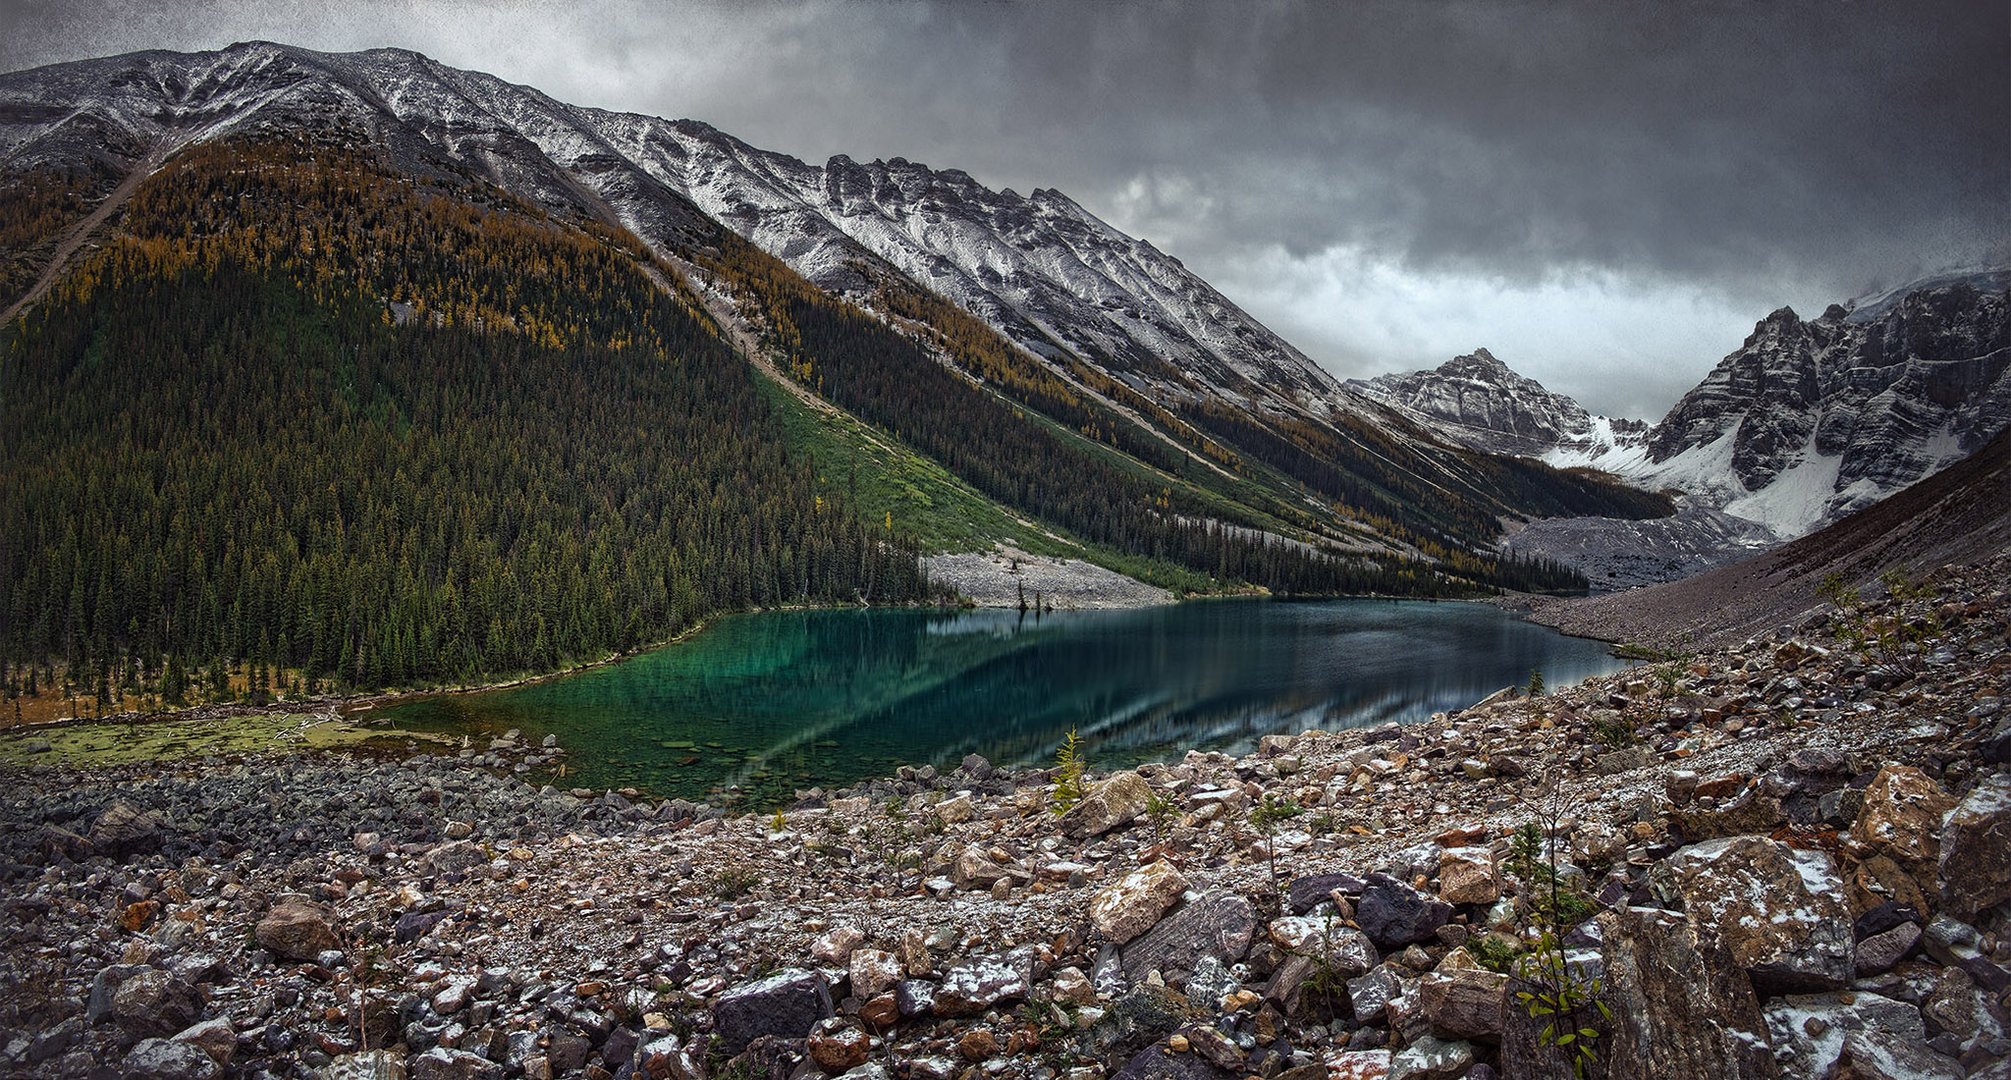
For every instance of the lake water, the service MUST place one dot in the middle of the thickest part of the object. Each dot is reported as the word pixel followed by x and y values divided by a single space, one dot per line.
pixel 758 706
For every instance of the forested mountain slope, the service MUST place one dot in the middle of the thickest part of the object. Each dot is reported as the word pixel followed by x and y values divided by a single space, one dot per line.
pixel 322 364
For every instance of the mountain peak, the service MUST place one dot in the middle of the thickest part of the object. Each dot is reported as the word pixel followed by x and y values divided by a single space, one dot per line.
pixel 1485 404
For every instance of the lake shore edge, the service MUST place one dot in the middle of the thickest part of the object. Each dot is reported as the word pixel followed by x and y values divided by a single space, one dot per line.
pixel 440 915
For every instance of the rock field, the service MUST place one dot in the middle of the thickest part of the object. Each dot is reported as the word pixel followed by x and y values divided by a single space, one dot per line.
pixel 1786 858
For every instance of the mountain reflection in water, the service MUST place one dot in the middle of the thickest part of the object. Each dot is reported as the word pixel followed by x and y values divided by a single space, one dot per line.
pixel 773 702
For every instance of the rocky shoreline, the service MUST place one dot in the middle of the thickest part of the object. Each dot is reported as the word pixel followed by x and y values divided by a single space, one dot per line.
pixel 1784 858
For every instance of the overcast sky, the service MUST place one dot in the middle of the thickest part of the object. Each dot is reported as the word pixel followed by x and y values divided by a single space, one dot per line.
pixel 1607 195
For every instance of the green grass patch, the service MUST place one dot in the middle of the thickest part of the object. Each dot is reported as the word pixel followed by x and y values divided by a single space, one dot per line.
pixel 109 743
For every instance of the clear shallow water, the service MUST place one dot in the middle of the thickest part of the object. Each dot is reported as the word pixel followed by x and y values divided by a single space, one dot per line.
pixel 778 701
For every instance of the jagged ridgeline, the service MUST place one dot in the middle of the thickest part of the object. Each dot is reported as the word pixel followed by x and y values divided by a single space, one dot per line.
pixel 307 413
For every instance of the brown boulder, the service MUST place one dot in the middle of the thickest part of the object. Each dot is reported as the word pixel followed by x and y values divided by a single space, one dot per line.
pixel 1681 1007
pixel 1778 912
pixel 1976 849
pixel 1902 815
pixel 1130 906
pixel 298 930
pixel 1463 1000
pixel 1114 802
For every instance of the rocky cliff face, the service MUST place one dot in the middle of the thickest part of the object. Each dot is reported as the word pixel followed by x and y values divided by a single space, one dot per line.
pixel 1806 422
pixel 1809 420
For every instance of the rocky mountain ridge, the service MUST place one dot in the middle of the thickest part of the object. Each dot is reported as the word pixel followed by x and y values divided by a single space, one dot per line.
pixel 1780 857
pixel 1808 421
pixel 1038 268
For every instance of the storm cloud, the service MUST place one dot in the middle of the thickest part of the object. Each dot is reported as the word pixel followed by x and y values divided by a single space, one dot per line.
pixel 1605 194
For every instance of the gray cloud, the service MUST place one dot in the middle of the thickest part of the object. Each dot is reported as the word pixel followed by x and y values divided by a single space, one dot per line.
pixel 1641 173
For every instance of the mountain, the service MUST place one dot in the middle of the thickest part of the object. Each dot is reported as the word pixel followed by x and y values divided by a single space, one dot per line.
pixel 1961 515
pixel 1811 419
pixel 274 316
pixel 1083 311
pixel 1806 422
pixel 1480 402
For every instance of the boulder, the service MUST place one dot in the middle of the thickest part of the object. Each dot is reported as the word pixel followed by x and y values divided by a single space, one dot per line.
pixel 165 1059
pixel 1358 1065
pixel 1875 1055
pixel 1116 801
pixel 1680 1006
pixel 1880 952
pixel 1752 810
pixel 836 945
pixel 1129 906
pixel 366 1065
pixel 217 1038
pixel 1308 892
pixel 1778 912
pixel 874 972
pixel 124 829
pixel 454 857
pixel 837 1046
pixel 975 985
pixel 1218 923
pixel 973 868
pixel 1394 915
pixel 1463 1000
pixel 1976 848
pixel 152 1002
pixel 1160 1063
pixel 786 1004
pixel 1807 1031
pixel 298 929
pixel 1370 995
pixel 1468 875
pixel 1343 948
pixel 1431 1058
pixel 1902 815
pixel 445 1063
pixel 1957 1006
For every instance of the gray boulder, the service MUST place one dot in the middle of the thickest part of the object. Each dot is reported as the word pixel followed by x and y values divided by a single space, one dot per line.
pixel 1395 915
pixel 786 1004
pixel 165 1059
pixel 1218 923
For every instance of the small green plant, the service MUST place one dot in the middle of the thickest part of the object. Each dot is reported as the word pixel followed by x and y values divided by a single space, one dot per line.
pixel 1536 683
pixel 733 882
pixel 1616 733
pixel 1270 812
pixel 1670 676
pixel 1547 987
pixel 1494 953
pixel 778 823
pixel 1326 983
pixel 1161 812
pixel 1069 764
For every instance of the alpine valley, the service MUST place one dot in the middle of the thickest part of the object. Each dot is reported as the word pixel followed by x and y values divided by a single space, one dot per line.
pixel 409 375
pixel 350 404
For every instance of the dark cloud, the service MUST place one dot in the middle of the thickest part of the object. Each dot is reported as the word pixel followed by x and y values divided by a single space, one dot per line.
pixel 1724 158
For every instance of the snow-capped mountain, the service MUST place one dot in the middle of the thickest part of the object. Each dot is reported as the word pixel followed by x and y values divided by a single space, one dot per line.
pixel 1479 401
pixel 1810 420
pixel 1039 268
pixel 1807 421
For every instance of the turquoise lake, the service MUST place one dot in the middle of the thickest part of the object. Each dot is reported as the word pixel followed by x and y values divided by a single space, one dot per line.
pixel 758 706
